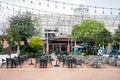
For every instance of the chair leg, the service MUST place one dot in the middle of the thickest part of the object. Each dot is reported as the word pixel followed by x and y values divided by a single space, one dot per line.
pixel 51 63
pixel 35 65
pixel 1 65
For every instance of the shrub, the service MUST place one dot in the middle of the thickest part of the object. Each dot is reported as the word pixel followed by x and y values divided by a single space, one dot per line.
pixel 71 53
pixel 35 42
pixel 31 55
pixel 35 46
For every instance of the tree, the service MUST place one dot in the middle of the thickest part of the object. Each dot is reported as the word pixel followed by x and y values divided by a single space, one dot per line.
pixel 88 29
pixel 2 37
pixel 9 36
pixel 104 37
pixel 116 36
pixel 24 26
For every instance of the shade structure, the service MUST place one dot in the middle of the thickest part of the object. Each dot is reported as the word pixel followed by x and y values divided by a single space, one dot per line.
pixel 77 46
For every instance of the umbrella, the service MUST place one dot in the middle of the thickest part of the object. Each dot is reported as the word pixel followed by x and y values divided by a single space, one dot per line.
pixel 77 46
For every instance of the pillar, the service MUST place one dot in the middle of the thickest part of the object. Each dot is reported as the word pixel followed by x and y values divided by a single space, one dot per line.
pixel 60 47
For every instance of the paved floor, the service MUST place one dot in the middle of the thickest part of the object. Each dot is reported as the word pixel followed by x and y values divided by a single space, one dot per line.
pixel 28 72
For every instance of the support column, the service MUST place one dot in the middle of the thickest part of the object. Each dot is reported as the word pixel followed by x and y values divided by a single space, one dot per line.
pixel 71 45
pixel 52 47
pixel 75 43
pixel 60 47
pixel 109 48
pixel 119 47
pixel 68 46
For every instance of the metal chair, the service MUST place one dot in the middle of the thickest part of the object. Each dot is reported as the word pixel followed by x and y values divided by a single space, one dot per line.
pixel 3 62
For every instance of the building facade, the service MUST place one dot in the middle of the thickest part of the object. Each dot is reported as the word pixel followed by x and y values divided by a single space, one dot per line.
pixel 57 28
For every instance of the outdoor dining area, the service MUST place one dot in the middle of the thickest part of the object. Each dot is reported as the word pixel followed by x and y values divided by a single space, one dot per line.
pixel 94 61
pixel 63 61
pixel 13 62
pixel 75 61
pixel 61 66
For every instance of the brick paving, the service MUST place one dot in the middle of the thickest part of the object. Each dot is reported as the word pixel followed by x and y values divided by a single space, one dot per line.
pixel 28 72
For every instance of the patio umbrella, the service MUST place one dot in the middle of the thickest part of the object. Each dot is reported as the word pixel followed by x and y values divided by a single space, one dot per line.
pixel 76 49
pixel 77 46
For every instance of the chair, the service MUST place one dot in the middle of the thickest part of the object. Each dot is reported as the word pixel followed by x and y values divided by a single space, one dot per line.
pixel 43 62
pixel 49 60
pixel 79 62
pixel 18 61
pixel 71 62
pixel 3 62
pixel 36 61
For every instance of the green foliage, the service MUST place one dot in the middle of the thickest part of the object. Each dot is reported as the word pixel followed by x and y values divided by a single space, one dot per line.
pixel 37 26
pixel 71 53
pixel 93 31
pixel 1 48
pixel 31 54
pixel 24 26
pixel 24 49
pixel 36 46
pixel 39 52
pixel 117 36
pixel 35 42
pixel 104 36
pixel 83 54
pixel 88 29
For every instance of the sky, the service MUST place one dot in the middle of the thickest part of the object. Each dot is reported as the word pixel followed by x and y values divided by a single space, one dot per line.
pixel 67 10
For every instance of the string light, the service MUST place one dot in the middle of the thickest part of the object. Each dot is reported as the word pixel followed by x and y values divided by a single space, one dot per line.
pixel 95 10
pixel 56 4
pixel 32 11
pixel 111 11
pixel 39 3
pixel 51 14
pixel 20 9
pixel 87 8
pixel 26 10
pixel 76 5
pixel 83 17
pixel 119 12
pixel 7 6
pixel 0 4
pixel 103 10
pixel 13 10
pixel 71 6
pixel 39 12
pixel 119 21
pixel 23 0
pixel 48 3
pixel 31 2
pixel 63 5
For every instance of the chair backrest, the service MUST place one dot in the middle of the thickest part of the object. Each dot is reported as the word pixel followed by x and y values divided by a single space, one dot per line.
pixel 3 60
